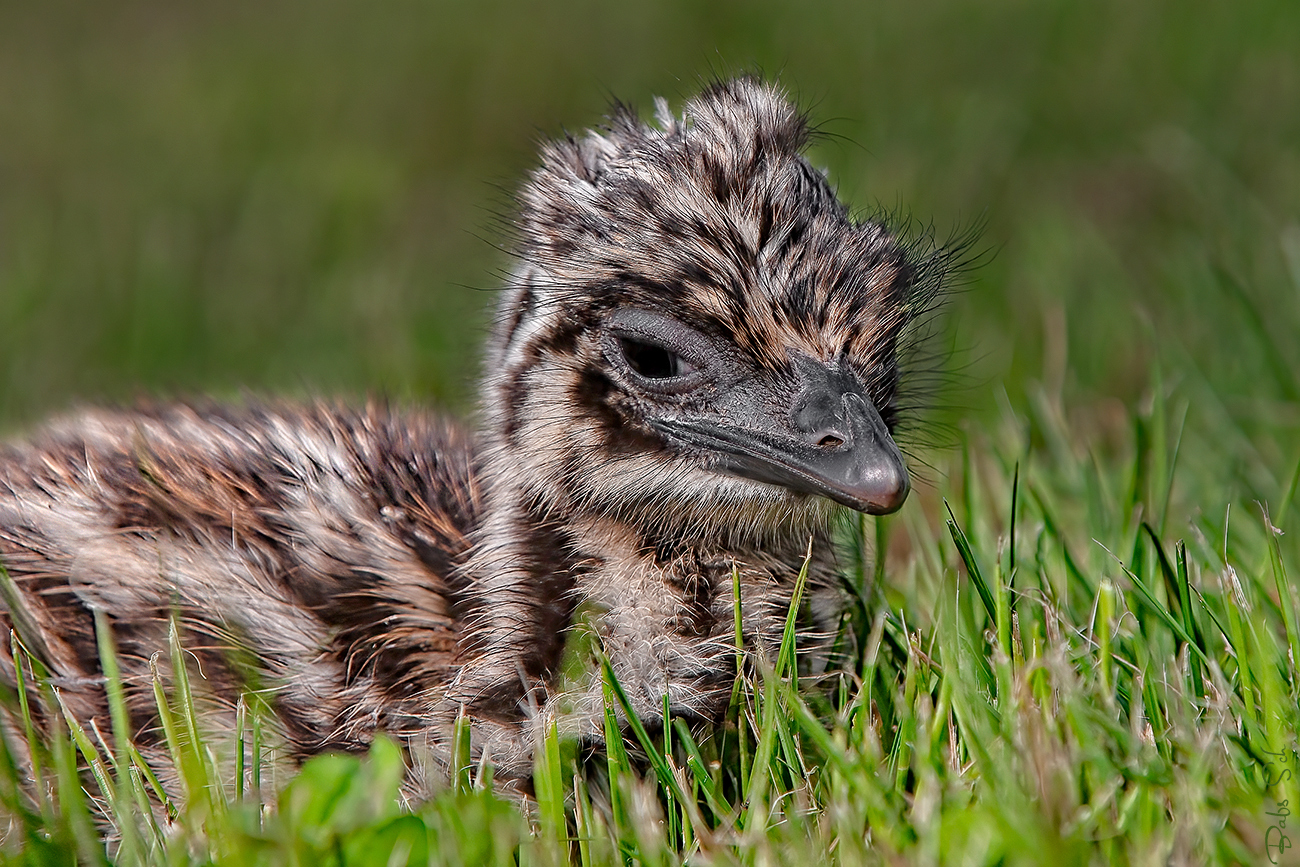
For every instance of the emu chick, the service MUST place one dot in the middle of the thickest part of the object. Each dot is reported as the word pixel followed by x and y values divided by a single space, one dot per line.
pixel 693 372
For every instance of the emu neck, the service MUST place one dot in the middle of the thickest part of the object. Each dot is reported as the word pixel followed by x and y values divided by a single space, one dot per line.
pixel 662 594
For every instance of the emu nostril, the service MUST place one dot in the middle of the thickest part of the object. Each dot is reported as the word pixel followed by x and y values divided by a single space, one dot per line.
pixel 830 441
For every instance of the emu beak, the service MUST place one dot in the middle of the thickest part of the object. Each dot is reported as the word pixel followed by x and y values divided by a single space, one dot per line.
pixel 829 441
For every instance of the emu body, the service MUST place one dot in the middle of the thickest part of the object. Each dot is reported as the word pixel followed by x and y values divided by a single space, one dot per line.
pixel 694 371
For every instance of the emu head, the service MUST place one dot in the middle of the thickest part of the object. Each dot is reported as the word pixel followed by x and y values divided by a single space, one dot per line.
pixel 698 327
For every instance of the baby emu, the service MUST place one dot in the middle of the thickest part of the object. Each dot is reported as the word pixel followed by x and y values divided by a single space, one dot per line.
pixel 693 368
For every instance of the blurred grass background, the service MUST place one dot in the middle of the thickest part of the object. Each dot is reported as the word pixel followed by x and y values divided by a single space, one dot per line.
pixel 299 196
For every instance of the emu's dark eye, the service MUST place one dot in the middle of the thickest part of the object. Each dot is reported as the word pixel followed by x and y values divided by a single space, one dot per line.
pixel 655 355
pixel 652 360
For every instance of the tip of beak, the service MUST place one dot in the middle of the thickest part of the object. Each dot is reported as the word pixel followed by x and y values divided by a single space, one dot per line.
pixel 882 484
pixel 889 491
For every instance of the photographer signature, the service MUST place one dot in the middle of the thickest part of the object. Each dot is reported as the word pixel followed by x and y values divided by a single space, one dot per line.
pixel 1276 842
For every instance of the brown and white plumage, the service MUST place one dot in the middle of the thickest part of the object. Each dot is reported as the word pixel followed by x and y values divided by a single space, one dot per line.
pixel 696 356
pixel 320 541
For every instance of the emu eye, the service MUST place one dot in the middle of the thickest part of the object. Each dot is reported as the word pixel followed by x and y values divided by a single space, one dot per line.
pixel 652 360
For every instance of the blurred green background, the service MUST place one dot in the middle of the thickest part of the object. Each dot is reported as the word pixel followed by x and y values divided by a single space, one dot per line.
pixel 303 197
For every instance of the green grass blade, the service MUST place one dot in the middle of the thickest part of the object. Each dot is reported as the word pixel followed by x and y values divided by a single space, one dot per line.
pixel 171 734
pixel 760 773
pixel 1073 571
pixel 462 762
pixel 1190 625
pixel 23 622
pixel 71 796
pixel 1167 570
pixel 549 788
pixel 736 705
pixel 119 754
pixel 972 567
pixel 1152 604
pixel 1167 491
pixel 657 760
pixel 1105 625
pixel 584 821
pixel 785 660
pixel 1286 596
pixel 701 776
pixel 1288 497
pixel 35 749
pixel 90 753
pixel 1011 523
pixel 241 730
pixel 617 764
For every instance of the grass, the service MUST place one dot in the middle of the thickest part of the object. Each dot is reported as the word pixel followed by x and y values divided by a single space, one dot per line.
pixel 1049 678
pixel 1079 642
